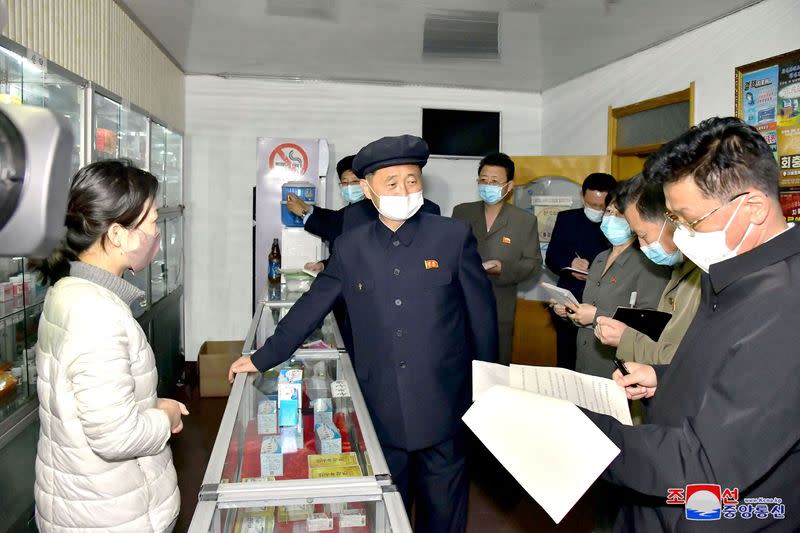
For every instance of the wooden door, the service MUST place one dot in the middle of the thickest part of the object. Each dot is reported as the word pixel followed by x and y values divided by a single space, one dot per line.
pixel 534 340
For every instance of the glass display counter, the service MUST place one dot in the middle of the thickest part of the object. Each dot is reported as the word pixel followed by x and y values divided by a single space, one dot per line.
pixel 370 511
pixel 296 447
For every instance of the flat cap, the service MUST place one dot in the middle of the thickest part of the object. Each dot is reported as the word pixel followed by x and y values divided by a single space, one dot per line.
pixel 390 151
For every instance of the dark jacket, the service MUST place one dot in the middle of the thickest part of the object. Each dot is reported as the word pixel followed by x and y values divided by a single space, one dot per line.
pixel 573 233
pixel 421 310
pixel 727 409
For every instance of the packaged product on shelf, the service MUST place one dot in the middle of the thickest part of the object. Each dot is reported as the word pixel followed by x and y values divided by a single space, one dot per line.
pixel 323 411
pixel 334 459
pixel 292 438
pixel 290 390
pixel 352 518
pixel 294 513
pixel 327 438
pixel 267 417
pixel 259 521
pixel 271 457
pixel 327 472
pixel 319 522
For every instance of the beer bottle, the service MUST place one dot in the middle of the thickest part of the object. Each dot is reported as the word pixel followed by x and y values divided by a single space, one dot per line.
pixel 274 273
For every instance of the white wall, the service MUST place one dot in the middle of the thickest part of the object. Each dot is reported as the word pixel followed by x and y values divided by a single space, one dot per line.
pixel 223 120
pixel 575 114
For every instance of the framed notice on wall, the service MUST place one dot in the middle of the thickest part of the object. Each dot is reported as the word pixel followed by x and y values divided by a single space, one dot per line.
pixel 768 98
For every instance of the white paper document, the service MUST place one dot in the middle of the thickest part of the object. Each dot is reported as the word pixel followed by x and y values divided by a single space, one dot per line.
pixel 550 447
pixel 596 394
pixel 487 375
pixel 559 295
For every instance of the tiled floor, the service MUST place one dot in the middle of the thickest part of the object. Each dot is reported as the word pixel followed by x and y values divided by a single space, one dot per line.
pixel 192 447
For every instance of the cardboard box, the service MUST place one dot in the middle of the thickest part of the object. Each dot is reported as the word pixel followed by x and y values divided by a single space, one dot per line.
pixel 214 360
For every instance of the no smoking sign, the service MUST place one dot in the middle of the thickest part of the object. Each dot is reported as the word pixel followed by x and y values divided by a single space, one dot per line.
pixel 290 156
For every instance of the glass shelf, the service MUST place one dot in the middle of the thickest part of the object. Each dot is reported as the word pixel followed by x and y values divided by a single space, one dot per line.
pixel 133 137
pixel 158 154
pixel 158 268
pixel 174 248
pixel 106 124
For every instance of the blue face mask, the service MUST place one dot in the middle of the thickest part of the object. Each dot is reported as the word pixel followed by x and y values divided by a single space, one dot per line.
pixel 655 252
pixel 352 193
pixel 616 229
pixel 491 194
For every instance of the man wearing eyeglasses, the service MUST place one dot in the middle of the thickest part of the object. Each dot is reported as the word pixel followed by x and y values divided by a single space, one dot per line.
pixel 644 208
pixel 508 241
pixel 726 411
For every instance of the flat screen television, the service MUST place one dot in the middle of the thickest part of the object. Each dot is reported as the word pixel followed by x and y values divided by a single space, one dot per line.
pixel 454 133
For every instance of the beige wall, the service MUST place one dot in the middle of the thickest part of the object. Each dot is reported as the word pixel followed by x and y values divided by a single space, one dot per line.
pixel 98 41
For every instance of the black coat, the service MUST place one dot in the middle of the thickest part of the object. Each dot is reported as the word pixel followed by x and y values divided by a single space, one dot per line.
pixel 727 409
pixel 421 308
pixel 573 233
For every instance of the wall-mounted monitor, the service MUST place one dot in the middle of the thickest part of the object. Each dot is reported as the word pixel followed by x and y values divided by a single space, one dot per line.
pixel 455 133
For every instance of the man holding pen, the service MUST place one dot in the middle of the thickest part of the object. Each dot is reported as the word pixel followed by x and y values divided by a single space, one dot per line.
pixel 575 242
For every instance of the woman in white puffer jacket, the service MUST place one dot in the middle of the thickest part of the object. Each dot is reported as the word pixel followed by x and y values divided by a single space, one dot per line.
pixel 103 462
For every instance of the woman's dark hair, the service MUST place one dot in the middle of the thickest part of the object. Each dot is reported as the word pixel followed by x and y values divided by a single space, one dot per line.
pixel 101 194
pixel 498 159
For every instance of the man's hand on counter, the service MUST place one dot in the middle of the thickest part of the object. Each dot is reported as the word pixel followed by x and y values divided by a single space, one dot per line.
pixel 243 364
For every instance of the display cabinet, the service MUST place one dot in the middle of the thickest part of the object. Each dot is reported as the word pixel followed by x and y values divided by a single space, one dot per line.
pixel 48 86
pixel 296 449
pixel 22 296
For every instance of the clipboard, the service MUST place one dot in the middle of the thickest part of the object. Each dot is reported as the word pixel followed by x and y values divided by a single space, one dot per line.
pixel 647 321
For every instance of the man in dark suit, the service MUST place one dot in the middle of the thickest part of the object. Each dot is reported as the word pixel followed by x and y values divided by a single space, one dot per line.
pixel 328 224
pixel 422 309
pixel 575 242
pixel 725 411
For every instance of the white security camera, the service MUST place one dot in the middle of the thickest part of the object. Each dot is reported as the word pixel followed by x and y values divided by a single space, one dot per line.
pixel 35 156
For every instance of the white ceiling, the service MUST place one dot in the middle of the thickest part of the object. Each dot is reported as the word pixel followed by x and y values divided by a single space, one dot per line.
pixel 542 42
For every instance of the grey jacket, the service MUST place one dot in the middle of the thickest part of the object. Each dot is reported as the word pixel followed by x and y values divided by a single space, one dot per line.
pixel 631 271
pixel 514 241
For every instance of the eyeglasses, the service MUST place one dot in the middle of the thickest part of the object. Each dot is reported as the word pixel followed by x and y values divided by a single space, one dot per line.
pixel 676 223
pixel 484 181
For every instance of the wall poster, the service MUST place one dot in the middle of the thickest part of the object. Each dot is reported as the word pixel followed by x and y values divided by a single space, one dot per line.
pixel 768 98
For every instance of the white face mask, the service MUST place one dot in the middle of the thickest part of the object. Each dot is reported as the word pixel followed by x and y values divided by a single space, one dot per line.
pixel 706 249
pixel 398 208
pixel 593 214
